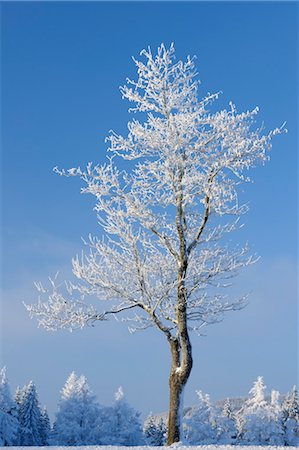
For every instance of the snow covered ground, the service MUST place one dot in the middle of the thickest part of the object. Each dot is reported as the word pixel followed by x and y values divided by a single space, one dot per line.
pixel 146 447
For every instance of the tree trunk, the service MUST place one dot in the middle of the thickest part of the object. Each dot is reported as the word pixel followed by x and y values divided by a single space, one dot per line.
pixel 175 409
pixel 180 346
pixel 178 378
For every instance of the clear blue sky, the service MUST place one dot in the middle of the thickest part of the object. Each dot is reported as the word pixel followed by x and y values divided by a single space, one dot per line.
pixel 62 64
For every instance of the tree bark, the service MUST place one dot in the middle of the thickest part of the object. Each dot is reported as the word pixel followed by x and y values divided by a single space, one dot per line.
pixel 175 407
pixel 180 346
pixel 180 371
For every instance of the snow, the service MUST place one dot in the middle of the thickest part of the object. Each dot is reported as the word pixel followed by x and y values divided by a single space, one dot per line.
pixel 177 446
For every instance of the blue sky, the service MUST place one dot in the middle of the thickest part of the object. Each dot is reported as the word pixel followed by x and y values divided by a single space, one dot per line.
pixel 62 64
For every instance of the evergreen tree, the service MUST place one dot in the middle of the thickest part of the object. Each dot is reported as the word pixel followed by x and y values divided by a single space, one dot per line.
pixel 18 399
pixel 30 417
pixel 19 396
pixel 45 427
pixel 255 416
pixel 290 405
pixel 257 399
pixel 77 415
pixel 290 417
pixel 102 431
pixel 125 424
pixel 275 428
pixel 199 428
pixel 8 421
pixel 155 433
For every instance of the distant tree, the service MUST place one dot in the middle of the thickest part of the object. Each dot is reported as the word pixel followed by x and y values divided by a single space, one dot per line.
pixel 155 432
pixel 125 426
pixel 102 430
pixel 45 427
pixel 255 416
pixel 290 407
pixel 77 415
pixel 257 399
pixel 19 396
pixel 30 417
pixel 199 427
pixel 275 428
pixel 290 417
pixel 18 399
pixel 166 256
pixel 8 421
pixel 226 425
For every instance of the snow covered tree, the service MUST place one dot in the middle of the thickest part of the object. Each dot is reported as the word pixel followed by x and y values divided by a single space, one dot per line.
pixel 19 396
pixel 290 417
pixel 155 432
pixel 257 399
pixel 124 424
pixel 226 425
pixel 45 427
pixel 101 432
pixel 8 421
pixel 199 426
pixel 30 417
pixel 290 405
pixel 77 415
pixel 275 428
pixel 165 257
pixel 255 416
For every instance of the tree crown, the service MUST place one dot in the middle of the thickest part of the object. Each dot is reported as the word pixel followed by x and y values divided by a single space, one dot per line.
pixel 171 211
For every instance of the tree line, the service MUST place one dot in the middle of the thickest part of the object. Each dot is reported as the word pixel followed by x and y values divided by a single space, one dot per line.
pixel 80 420
pixel 256 420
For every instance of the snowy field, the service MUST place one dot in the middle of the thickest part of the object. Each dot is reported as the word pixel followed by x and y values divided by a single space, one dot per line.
pixel 175 446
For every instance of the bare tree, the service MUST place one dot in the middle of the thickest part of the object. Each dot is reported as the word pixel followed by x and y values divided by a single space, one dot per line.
pixel 163 257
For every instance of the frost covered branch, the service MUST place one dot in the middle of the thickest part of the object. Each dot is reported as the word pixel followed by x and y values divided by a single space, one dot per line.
pixel 163 222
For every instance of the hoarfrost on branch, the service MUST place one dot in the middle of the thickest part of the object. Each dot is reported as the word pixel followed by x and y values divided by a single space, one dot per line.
pixel 174 207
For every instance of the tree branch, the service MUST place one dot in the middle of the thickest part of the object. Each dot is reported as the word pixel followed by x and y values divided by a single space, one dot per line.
pixel 205 217
pixel 202 226
pixel 115 311
pixel 165 240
